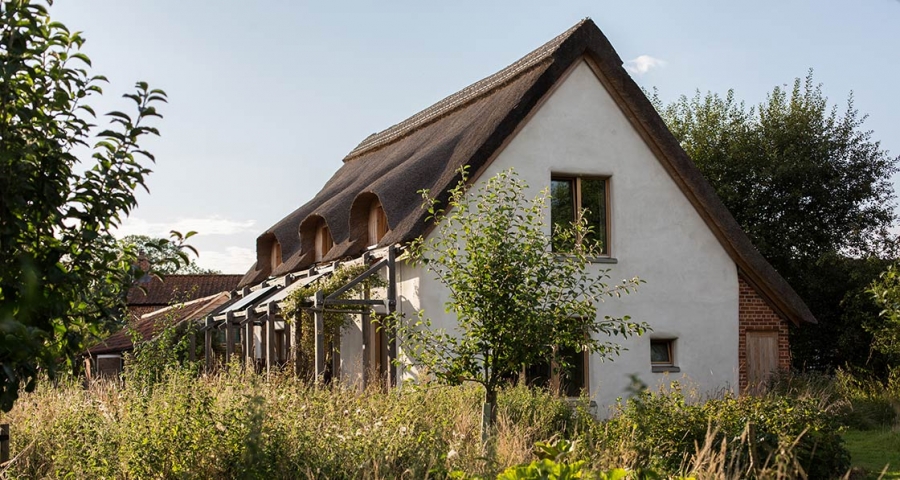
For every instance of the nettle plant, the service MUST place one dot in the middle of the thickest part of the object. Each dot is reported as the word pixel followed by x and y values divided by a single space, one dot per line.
pixel 517 302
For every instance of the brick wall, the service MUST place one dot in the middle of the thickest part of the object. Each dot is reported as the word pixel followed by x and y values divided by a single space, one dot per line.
pixel 755 314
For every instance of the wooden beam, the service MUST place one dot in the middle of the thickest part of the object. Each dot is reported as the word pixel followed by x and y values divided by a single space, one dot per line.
pixel 229 336
pixel 298 354
pixel 287 343
pixel 391 304
pixel 269 332
pixel 209 331
pixel 249 342
pixel 352 301
pixel 319 323
pixel 352 283
pixel 366 329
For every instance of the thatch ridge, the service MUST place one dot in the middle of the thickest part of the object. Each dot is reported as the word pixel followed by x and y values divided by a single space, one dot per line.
pixel 469 127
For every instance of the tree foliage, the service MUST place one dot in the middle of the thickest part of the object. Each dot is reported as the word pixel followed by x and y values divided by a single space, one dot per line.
pixel 813 191
pixel 161 254
pixel 516 301
pixel 62 276
pixel 886 292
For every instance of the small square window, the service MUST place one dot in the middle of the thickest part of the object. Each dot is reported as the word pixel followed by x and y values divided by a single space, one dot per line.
pixel 661 352
pixel 662 355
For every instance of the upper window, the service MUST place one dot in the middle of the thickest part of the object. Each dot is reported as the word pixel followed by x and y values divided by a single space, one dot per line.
pixel 378 225
pixel 323 240
pixel 576 196
pixel 276 255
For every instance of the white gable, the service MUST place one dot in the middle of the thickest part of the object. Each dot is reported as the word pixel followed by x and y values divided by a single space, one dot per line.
pixel 692 286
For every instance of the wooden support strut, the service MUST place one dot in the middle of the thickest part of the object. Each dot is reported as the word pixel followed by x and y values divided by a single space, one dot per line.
pixel 269 332
pixel 286 339
pixel 365 329
pixel 208 332
pixel 319 324
pixel 352 283
pixel 298 353
pixel 229 336
pixel 249 341
pixel 391 304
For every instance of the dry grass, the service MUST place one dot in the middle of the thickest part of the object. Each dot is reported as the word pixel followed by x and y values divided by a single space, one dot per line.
pixel 240 425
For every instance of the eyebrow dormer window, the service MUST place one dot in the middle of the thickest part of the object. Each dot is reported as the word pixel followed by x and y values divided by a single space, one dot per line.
pixel 378 225
pixel 323 240
pixel 276 255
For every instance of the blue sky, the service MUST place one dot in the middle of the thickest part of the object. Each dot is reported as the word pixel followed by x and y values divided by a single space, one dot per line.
pixel 266 98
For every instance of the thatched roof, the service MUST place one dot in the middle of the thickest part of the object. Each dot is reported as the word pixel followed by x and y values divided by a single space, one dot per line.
pixel 468 128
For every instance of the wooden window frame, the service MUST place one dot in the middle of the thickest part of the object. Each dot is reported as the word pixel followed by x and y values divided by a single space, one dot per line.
pixel 275 259
pixel 576 206
pixel 323 241
pixel 667 366
pixel 377 223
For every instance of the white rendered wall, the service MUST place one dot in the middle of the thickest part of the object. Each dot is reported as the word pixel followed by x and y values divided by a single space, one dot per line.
pixel 692 288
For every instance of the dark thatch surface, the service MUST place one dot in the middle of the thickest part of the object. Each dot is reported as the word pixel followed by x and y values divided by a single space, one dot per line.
pixel 467 128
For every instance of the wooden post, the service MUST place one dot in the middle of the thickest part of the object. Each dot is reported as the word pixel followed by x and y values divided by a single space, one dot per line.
pixel 208 342
pixel 271 353
pixel 336 357
pixel 229 336
pixel 4 443
pixel 393 371
pixel 298 354
pixel 319 322
pixel 286 342
pixel 88 370
pixel 249 341
pixel 366 329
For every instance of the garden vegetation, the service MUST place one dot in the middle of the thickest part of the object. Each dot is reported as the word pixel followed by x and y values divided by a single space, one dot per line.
pixel 237 424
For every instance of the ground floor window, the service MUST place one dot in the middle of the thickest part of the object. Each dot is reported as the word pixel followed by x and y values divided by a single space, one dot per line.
pixel 567 374
pixel 662 355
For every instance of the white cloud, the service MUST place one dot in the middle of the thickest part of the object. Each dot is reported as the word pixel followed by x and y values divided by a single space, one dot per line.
pixel 643 64
pixel 232 260
pixel 212 225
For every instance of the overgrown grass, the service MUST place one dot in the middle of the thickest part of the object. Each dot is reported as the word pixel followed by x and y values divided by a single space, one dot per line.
pixel 242 425
pixel 237 425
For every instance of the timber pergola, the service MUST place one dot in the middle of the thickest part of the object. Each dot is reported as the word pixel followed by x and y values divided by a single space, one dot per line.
pixel 261 306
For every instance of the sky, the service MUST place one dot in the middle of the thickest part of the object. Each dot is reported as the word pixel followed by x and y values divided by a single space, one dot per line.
pixel 266 98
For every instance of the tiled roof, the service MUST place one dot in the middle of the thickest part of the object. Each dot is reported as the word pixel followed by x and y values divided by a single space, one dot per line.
pixel 152 323
pixel 178 288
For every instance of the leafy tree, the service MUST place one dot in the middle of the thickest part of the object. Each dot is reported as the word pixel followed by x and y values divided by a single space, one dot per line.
pixel 886 292
pixel 517 301
pixel 62 276
pixel 813 191
pixel 160 252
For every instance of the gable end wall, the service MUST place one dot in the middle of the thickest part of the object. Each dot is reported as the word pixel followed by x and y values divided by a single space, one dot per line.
pixel 754 313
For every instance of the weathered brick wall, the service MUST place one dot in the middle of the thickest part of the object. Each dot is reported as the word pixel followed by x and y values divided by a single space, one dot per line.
pixel 755 314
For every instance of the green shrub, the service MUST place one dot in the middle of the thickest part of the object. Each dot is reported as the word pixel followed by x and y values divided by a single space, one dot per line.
pixel 241 425
pixel 860 401
pixel 663 430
